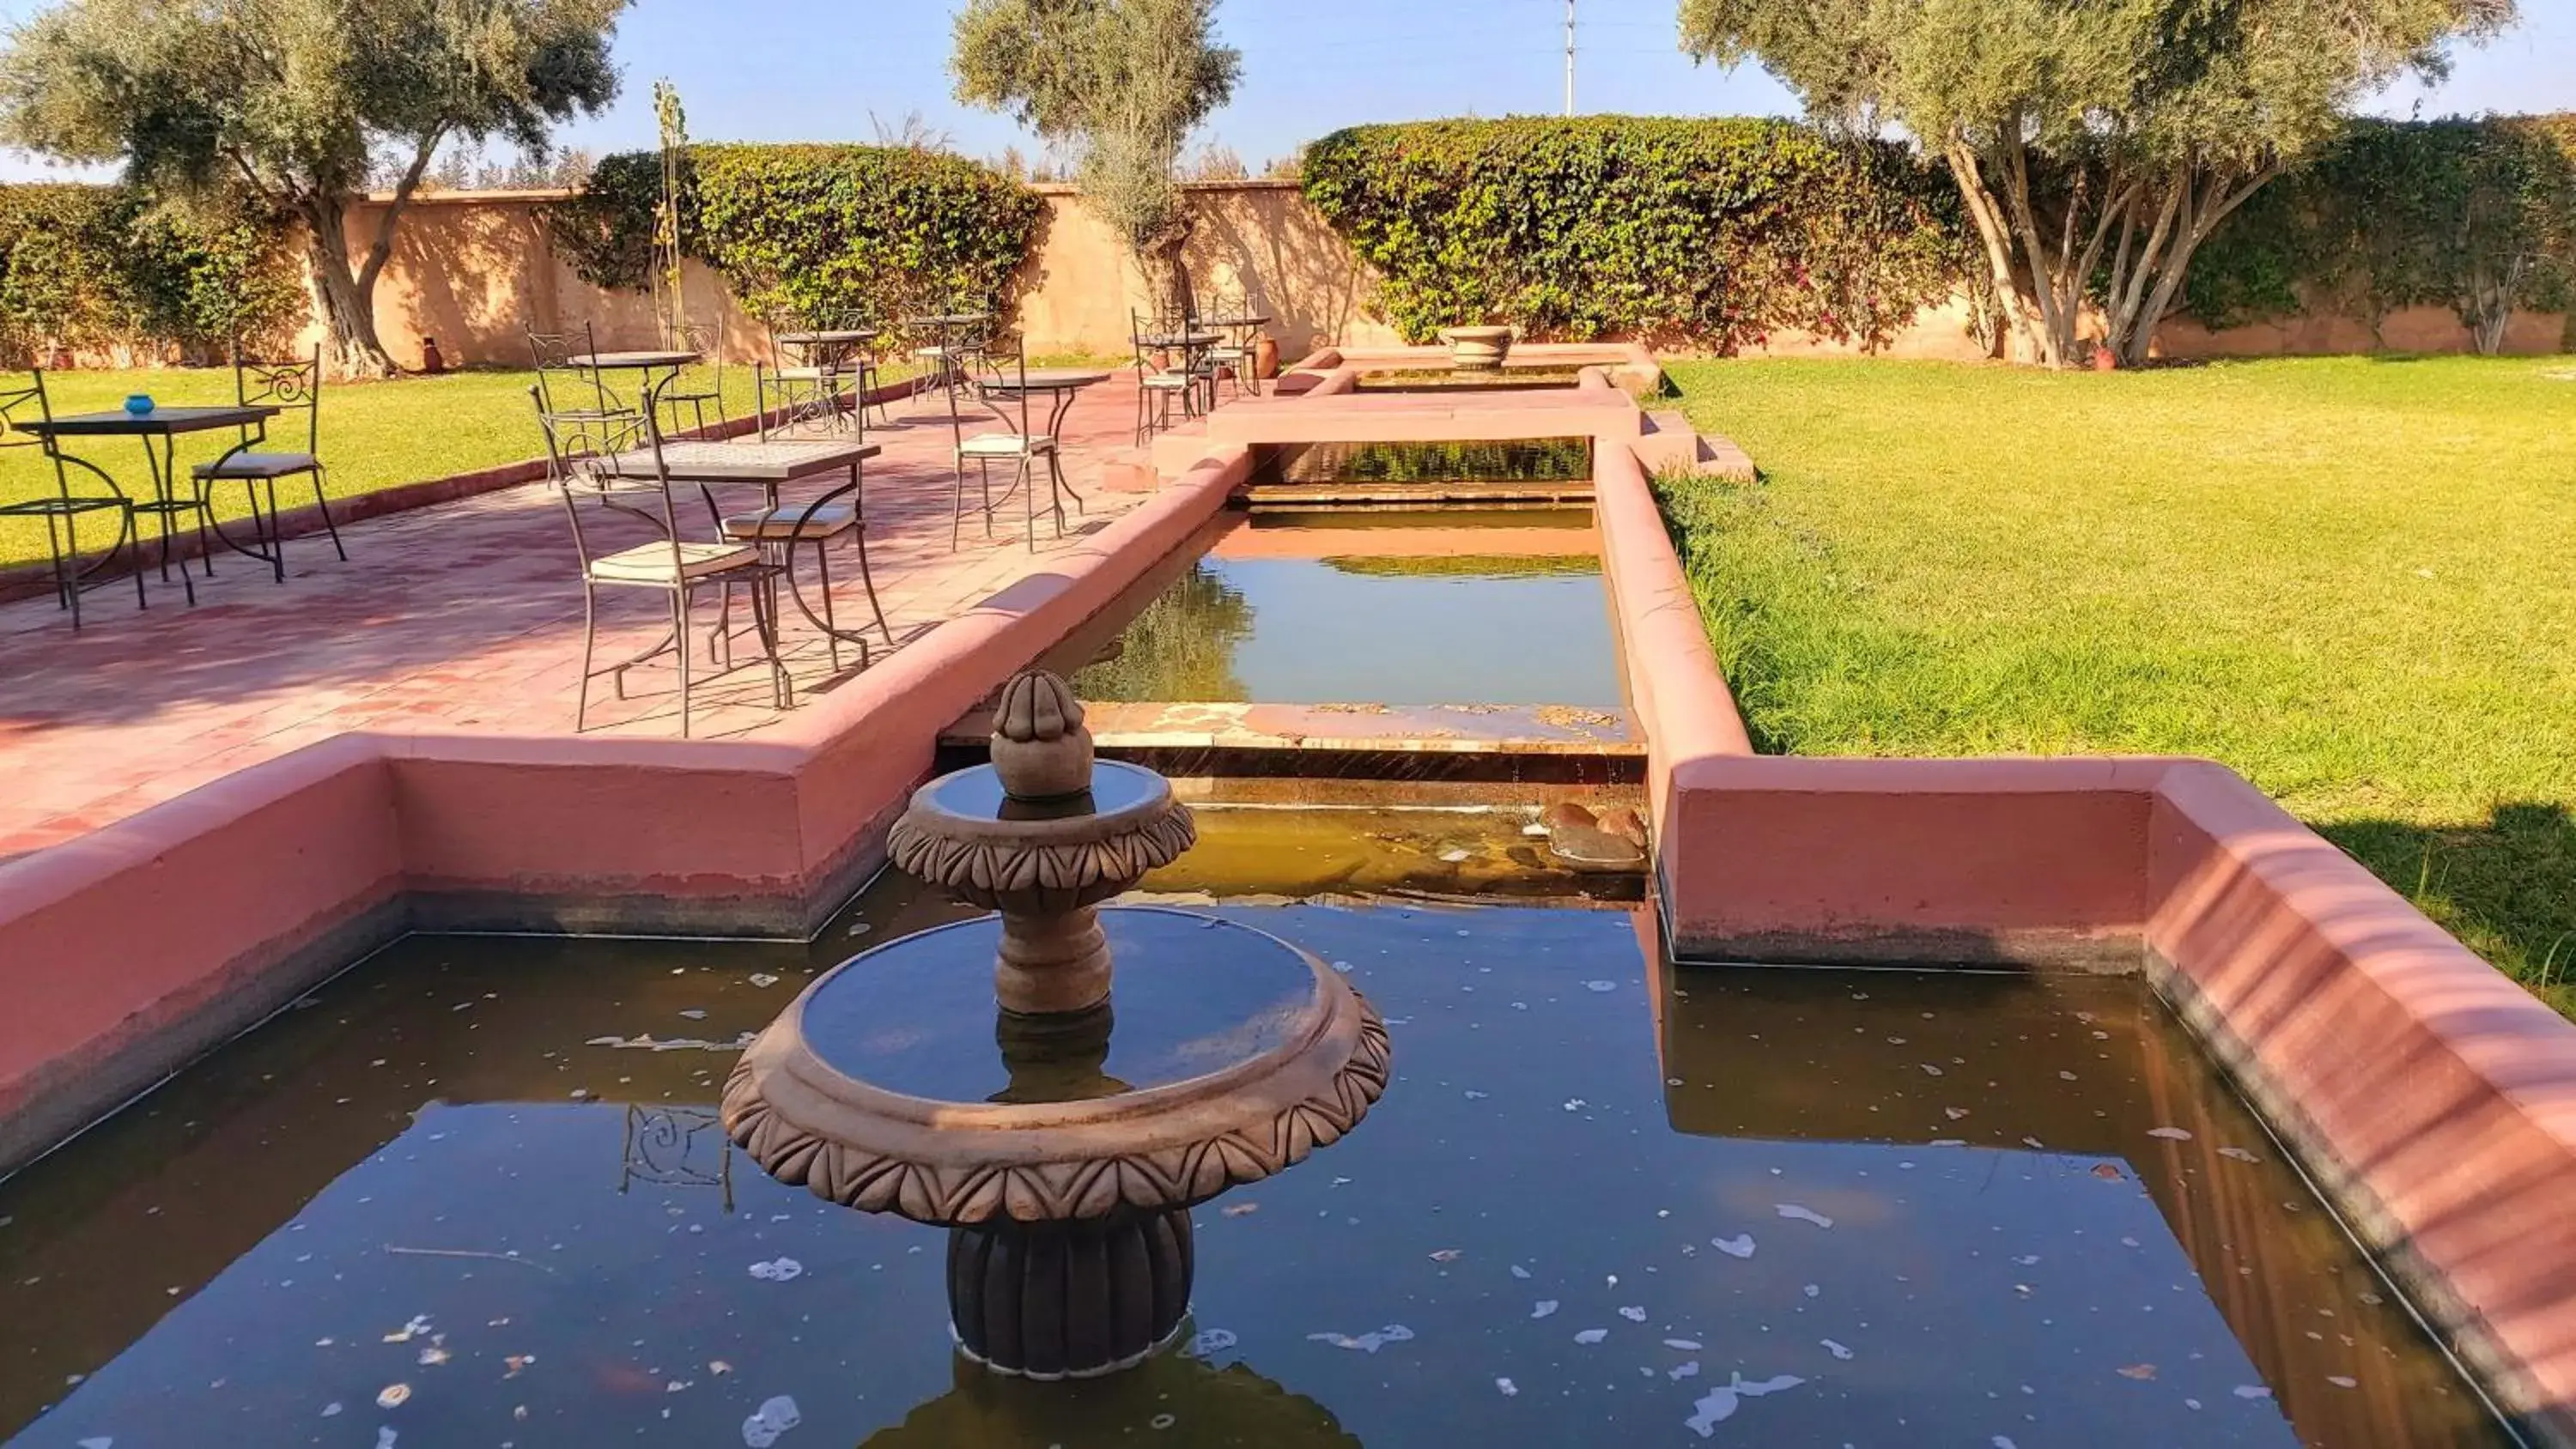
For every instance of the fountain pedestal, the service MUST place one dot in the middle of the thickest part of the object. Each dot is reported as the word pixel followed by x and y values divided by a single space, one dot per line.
pixel 1059 1125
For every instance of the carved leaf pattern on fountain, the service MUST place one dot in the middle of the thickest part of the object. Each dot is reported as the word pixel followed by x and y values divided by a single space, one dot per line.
pixel 1062 875
pixel 945 1195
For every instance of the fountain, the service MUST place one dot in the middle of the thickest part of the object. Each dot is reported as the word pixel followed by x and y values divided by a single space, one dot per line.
pixel 1064 1144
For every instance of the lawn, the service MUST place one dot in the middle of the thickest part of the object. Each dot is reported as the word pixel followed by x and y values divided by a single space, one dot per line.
pixel 2353 580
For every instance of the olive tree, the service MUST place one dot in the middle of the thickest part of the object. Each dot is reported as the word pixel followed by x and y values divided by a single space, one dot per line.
pixel 290 102
pixel 2096 143
pixel 1122 83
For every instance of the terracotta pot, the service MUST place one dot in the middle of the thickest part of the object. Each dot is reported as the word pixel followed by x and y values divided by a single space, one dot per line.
pixel 2105 360
pixel 1265 357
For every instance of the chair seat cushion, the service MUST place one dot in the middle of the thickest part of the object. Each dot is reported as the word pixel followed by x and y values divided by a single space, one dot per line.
pixel 1004 445
pixel 651 563
pixel 1167 381
pixel 259 465
pixel 830 520
pixel 796 374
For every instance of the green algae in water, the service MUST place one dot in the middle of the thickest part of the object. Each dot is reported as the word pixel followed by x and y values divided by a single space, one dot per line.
pixel 1916 1208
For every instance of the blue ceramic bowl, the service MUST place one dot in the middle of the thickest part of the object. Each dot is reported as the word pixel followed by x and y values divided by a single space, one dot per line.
pixel 139 404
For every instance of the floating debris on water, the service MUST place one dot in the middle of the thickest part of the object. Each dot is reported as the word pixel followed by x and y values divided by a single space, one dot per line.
pixel 763 980
pixel 2142 1372
pixel 1600 985
pixel 777 1270
pixel 2171 1134
pixel 1520 1272
pixel 1545 1307
pixel 1681 1371
pixel 651 1043
pixel 774 1417
pixel 1799 1212
pixel 1211 1340
pixel 1739 1246
pixel 2252 1391
pixel 1508 1388
pixel 1590 1336
pixel 1633 1315
pixel 418 1326
pixel 1720 1404
pixel 393 1396
pixel 1367 1342
pixel 1836 1349
pixel 1447 1255
pixel 2239 1153
pixel 1687 1345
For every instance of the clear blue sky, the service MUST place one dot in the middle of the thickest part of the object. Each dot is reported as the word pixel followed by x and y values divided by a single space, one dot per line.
pixel 817 69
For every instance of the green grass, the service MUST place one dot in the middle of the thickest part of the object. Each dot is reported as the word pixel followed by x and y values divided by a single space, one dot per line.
pixel 374 434
pixel 2353 580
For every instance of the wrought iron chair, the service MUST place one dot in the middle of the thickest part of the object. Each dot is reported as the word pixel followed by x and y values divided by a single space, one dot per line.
pixel 809 389
pixel 777 531
pixel 998 384
pixel 63 510
pixel 582 451
pixel 562 387
pixel 292 387
pixel 1231 357
pixel 953 353
pixel 1157 385
pixel 707 340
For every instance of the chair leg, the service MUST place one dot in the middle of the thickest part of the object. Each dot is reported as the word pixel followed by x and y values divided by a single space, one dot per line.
pixel 275 536
pixel 680 640
pixel 957 507
pixel 589 645
pixel 823 580
pixel 323 503
pixel 984 473
pixel 868 578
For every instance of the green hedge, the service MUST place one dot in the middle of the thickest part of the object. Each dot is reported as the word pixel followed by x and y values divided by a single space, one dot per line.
pixel 806 229
pixel 2402 213
pixel 1714 233
pixel 90 267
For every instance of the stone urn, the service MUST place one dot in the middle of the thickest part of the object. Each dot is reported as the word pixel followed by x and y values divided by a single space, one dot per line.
pixel 1477 349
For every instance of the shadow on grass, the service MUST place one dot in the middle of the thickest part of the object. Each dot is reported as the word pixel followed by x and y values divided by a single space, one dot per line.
pixel 2506 888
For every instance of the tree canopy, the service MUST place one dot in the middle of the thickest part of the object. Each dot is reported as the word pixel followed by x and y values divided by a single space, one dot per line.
pixel 291 102
pixel 1120 82
pixel 2096 143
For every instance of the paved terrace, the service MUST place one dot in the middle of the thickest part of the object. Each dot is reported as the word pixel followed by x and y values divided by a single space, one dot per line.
pixel 463 617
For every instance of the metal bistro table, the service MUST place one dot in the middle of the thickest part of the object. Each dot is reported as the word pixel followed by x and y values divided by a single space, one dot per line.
pixel 772 464
pixel 667 361
pixel 1060 385
pixel 828 350
pixel 159 429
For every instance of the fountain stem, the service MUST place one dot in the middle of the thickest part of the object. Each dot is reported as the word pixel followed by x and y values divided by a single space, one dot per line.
pixel 1052 963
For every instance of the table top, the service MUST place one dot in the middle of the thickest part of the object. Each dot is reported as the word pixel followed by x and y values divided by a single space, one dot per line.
pixel 1175 339
pixel 780 460
pixel 157 421
pixel 954 319
pixel 1249 319
pixel 828 337
pixel 1042 378
pixel 612 361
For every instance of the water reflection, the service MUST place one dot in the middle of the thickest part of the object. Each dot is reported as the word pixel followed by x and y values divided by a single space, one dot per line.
pixel 1506 610
pixel 1964 1208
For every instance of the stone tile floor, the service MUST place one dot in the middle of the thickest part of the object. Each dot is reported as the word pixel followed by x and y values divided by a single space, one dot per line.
pixel 467 617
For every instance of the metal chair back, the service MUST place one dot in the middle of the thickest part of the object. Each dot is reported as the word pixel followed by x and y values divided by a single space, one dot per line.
pixel 20 405
pixel 290 386
pixel 581 452
pixel 998 380
pixel 553 353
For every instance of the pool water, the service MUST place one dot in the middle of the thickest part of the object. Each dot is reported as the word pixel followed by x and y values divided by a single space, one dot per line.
pixel 1474 607
pixel 472 1193
pixel 1533 460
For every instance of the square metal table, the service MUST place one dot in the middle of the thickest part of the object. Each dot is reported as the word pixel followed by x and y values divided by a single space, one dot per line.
pixel 773 463
pixel 159 429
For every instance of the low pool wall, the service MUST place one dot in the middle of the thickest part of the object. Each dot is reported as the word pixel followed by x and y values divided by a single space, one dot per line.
pixel 127 952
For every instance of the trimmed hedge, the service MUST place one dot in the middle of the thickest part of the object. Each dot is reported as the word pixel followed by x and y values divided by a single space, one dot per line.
pixel 1713 233
pixel 2403 213
pixel 90 267
pixel 802 230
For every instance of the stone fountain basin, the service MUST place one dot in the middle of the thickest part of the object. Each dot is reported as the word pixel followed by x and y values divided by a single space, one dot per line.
pixel 872 1089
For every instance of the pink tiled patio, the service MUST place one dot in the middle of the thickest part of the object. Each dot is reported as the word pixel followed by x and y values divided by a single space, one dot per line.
pixel 465 616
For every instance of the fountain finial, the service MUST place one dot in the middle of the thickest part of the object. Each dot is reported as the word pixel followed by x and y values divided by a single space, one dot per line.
pixel 1041 748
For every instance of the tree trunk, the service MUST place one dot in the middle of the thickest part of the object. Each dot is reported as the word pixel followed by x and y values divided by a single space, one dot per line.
pixel 347 298
pixel 1167 274
pixel 1997 238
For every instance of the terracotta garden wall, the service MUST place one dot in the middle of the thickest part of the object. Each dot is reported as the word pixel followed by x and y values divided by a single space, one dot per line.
pixel 470 269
